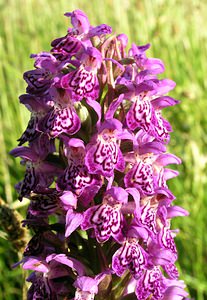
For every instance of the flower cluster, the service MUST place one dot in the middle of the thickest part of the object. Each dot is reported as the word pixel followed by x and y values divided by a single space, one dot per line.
pixel 100 207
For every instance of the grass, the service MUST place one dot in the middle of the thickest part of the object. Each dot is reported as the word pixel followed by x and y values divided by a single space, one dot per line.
pixel 176 31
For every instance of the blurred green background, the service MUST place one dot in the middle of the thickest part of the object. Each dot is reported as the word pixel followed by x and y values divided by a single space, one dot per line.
pixel 178 35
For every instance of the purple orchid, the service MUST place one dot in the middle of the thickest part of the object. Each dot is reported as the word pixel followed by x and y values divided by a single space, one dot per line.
pixel 66 47
pixel 44 76
pixel 44 203
pixel 146 165
pixel 152 65
pixel 82 29
pixel 83 82
pixel 130 256
pixel 39 172
pixel 145 111
pixel 56 269
pixel 62 118
pixel 38 108
pixel 76 177
pixel 96 170
pixel 87 287
pixel 103 154
pixel 107 219
pixel 154 285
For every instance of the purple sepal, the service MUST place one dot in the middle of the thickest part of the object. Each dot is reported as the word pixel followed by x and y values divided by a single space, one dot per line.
pixel 73 143
pixel 45 60
pixel 119 195
pixel 176 211
pixel 138 51
pixel 73 221
pixel 136 196
pixel 162 102
pixel 86 284
pixel 99 30
pixel 113 107
pixel 88 194
pixel 97 107
pixel 152 147
pixel 35 104
pixel 38 108
pixel 145 143
pixel 175 291
pixel 87 287
pixel 169 173
pixel 68 261
pixel 125 80
pixel 91 59
pixel 68 200
pixel 154 66
pixel 129 288
pixel 160 256
pixel 138 232
pixel 163 86
pixel 142 138
pixel 35 264
pixel 36 178
pixel 125 135
pixel 142 88
pixel 25 153
pixel 167 159
pixel 43 146
pixel 111 125
pixel 123 39
pixel 165 196
pixel 82 29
